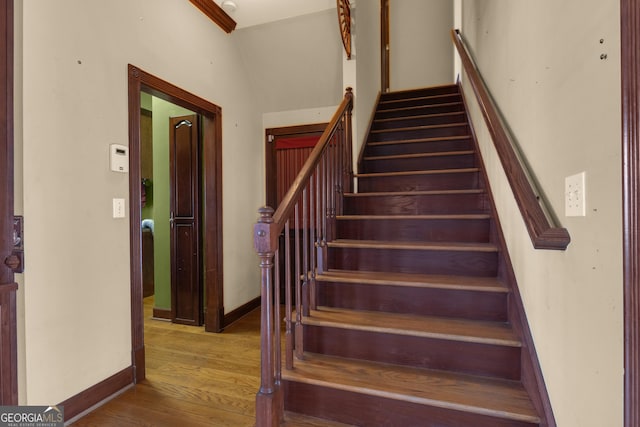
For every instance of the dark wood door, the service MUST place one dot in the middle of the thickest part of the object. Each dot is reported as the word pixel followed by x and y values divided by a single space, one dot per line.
pixel 186 280
pixel 8 261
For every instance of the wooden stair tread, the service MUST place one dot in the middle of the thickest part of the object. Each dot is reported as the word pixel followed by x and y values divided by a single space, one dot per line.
pixel 415 193
pixel 480 332
pixel 417 140
pixel 423 127
pixel 423 172
pixel 479 395
pixel 420 155
pixel 418 216
pixel 426 246
pixel 416 107
pixel 293 419
pixel 420 116
pixel 488 284
pixel 415 98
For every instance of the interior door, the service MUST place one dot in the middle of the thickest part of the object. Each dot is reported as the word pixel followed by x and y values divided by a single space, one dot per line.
pixel 8 261
pixel 186 280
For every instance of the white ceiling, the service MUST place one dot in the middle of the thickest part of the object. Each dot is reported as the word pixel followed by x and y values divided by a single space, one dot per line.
pixel 256 12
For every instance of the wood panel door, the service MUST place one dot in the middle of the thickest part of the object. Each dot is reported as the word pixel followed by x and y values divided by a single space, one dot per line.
pixel 8 261
pixel 186 279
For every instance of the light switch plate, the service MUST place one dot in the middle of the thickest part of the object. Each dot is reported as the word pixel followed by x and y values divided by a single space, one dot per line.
pixel 118 208
pixel 574 195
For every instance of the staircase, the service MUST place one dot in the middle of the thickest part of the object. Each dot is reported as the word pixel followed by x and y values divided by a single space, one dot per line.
pixel 412 325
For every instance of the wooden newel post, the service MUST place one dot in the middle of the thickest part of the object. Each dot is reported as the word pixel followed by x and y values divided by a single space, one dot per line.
pixel 348 130
pixel 269 403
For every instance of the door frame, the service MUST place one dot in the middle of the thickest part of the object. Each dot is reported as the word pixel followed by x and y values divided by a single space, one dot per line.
pixel 211 114
pixel 8 287
pixel 630 80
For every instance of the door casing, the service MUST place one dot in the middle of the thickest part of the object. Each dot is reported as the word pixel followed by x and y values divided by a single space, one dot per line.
pixel 211 114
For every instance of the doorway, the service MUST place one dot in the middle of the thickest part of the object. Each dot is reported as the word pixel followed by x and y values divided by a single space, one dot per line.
pixel 210 200
pixel 170 143
pixel 287 148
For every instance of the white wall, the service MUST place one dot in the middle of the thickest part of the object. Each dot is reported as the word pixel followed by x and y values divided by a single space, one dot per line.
pixel 294 63
pixel 74 104
pixel 367 62
pixel 541 61
pixel 420 45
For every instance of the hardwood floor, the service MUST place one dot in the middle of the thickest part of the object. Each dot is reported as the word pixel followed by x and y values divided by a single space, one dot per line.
pixel 194 378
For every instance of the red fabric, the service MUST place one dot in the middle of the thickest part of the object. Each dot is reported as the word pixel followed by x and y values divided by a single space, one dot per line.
pixel 297 142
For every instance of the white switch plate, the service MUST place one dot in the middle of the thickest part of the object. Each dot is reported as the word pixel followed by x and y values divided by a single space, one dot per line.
pixel 574 195
pixel 118 208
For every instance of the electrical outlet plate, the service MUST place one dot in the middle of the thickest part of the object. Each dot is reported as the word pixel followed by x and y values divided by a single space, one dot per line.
pixel 118 208
pixel 574 195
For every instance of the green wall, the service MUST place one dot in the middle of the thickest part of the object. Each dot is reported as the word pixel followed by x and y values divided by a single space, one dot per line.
pixel 162 111
pixel 146 103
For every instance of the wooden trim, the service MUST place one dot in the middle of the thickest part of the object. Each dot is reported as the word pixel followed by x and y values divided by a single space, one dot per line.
pixel 6 139
pixel 8 345
pixel 212 205
pixel 162 313
pixel 385 47
pixel 212 224
pixel 531 376
pixel 542 231
pixel 8 288
pixel 241 311
pixel 216 14
pixel 630 43
pixel 84 400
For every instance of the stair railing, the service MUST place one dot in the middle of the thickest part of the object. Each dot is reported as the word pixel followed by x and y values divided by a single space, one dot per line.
pixel 543 231
pixel 306 219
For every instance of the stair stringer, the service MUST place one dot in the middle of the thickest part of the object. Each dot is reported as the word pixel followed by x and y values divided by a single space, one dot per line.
pixel 532 377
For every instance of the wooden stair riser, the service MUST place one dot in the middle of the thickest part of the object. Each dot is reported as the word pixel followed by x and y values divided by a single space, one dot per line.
pixel 426 120
pixel 452 303
pixel 418 101
pixel 366 410
pixel 421 92
pixel 411 321
pixel 471 263
pixel 443 354
pixel 419 146
pixel 460 180
pixel 437 230
pixel 451 161
pixel 421 110
pixel 436 131
pixel 420 204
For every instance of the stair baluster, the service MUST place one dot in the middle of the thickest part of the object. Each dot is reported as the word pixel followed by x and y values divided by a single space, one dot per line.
pixel 322 177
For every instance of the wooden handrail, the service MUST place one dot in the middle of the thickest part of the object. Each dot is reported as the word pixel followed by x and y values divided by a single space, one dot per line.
pixel 286 205
pixel 312 203
pixel 543 231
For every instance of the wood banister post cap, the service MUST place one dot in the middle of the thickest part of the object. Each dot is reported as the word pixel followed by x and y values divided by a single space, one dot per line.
pixel 266 215
pixel 262 232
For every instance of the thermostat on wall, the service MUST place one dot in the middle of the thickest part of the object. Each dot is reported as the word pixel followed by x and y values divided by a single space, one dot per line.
pixel 119 158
